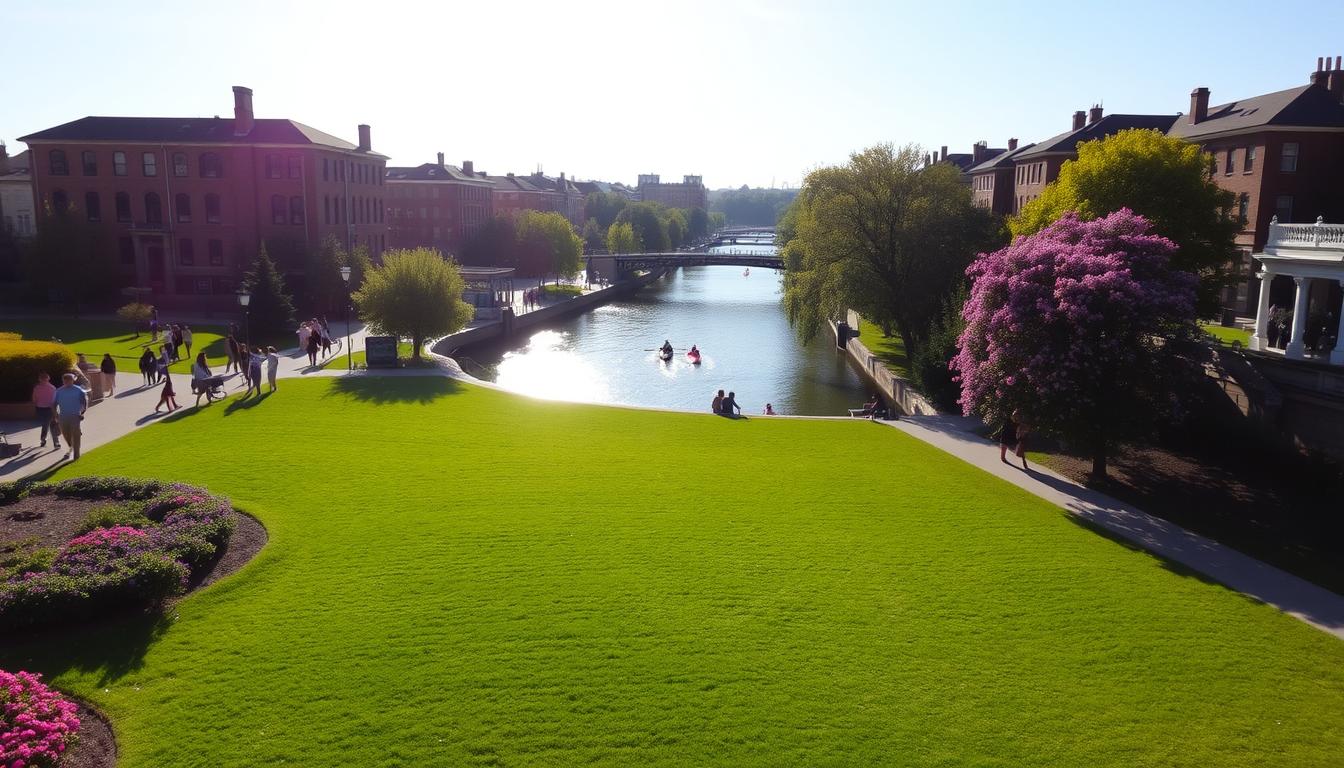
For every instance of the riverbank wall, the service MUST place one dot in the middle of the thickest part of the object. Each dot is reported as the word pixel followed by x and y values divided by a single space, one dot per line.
pixel 895 389
pixel 512 325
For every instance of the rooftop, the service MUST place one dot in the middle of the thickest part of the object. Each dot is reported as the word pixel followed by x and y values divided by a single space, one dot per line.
pixel 1066 143
pixel 1306 105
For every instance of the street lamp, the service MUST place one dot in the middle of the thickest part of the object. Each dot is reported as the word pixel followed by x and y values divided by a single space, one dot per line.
pixel 245 298
pixel 349 361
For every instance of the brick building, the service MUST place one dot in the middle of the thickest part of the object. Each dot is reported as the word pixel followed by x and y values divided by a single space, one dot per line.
pixel 17 210
pixel 185 202
pixel 436 205
pixel 690 193
pixel 992 179
pixel 1281 154
pixel 1039 164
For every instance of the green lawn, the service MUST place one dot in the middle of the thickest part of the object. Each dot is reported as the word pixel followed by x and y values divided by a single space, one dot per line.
pixel 889 349
pixel 96 337
pixel 458 576
pixel 358 358
pixel 1227 335
pixel 562 290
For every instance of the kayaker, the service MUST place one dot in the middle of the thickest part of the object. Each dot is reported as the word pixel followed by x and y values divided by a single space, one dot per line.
pixel 667 347
pixel 695 351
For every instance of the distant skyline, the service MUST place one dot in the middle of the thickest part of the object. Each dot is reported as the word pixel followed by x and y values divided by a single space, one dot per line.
pixel 737 92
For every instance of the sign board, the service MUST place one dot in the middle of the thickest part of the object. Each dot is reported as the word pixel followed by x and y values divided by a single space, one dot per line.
pixel 380 351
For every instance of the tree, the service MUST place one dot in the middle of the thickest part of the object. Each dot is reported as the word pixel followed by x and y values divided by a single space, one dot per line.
pixel 647 221
pixel 1075 327
pixel 621 239
pixel 416 294
pixel 717 220
pixel 885 235
pixel 360 264
pixel 676 228
pixel 271 310
pixel 493 245
pixel 323 284
pixel 697 223
pixel 67 260
pixel 1166 180
pixel 604 207
pixel 930 368
pixel 552 237
pixel 748 207
pixel 137 314
pixel 594 237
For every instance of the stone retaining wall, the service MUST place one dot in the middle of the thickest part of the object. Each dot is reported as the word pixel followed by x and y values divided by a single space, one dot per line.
pixel 895 389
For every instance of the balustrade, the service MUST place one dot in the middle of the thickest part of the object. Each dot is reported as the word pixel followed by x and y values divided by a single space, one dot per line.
pixel 1318 235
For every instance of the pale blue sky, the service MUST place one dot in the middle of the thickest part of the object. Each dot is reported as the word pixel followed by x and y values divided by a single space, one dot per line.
pixel 739 92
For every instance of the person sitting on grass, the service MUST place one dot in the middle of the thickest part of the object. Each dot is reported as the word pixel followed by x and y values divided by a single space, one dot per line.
pixel 717 405
pixel 730 407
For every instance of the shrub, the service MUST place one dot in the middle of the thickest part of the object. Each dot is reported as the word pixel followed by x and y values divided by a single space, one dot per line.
pixel 113 515
pixel 136 313
pixel 37 724
pixel 21 362
pixel 20 557
pixel 929 367
pixel 8 336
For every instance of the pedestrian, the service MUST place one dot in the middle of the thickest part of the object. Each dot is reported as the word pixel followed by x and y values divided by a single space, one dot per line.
pixel 165 360
pixel 230 349
pixel 314 343
pixel 1007 438
pixel 730 406
pixel 202 380
pixel 717 405
pixel 167 396
pixel 326 342
pixel 187 338
pixel 1023 429
pixel 109 368
pixel 243 367
pixel 44 400
pixel 272 365
pixel 304 332
pixel 177 342
pixel 147 366
pixel 70 403
pixel 254 362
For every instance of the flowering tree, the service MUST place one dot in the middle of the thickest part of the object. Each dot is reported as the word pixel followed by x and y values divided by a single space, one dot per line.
pixel 1072 326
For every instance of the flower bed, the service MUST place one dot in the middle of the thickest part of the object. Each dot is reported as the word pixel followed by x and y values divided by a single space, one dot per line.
pixel 138 552
pixel 37 724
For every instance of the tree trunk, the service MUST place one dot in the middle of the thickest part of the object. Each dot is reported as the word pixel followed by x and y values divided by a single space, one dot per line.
pixel 416 341
pixel 1099 463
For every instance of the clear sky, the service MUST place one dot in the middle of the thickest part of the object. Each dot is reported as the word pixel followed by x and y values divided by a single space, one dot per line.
pixel 739 92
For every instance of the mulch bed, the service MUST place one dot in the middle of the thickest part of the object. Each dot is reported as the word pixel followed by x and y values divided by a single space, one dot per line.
pixel 96 747
pixel 50 519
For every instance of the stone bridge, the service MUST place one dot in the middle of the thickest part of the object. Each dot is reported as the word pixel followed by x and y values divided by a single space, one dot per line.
pixel 620 266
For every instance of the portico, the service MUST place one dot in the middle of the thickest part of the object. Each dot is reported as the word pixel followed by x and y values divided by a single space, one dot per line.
pixel 1313 256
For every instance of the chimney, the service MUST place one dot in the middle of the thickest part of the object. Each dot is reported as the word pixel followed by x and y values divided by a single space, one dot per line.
pixel 943 156
pixel 1199 105
pixel 1012 144
pixel 467 168
pixel 440 158
pixel 1334 82
pixel 364 144
pixel 978 152
pixel 1079 119
pixel 242 111
pixel 4 159
pixel 1094 114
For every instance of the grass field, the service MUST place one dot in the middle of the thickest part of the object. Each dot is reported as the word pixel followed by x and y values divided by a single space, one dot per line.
pixel 889 349
pixel 359 359
pixel 1225 335
pixel 457 576
pixel 96 337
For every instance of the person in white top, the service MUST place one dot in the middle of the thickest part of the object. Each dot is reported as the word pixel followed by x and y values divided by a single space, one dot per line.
pixel 272 364
pixel 304 332
pixel 186 338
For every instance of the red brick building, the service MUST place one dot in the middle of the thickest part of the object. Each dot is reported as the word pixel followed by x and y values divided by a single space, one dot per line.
pixel 1281 154
pixel 992 179
pixel 185 203
pixel 690 193
pixel 436 205
pixel 538 192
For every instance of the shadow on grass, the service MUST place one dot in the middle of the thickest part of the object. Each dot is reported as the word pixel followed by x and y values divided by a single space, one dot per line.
pixel 243 403
pixel 401 389
pixel 112 649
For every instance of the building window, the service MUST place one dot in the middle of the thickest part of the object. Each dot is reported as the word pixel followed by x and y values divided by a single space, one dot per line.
pixel 60 202
pixel 216 248
pixel 153 208
pixel 1248 164
pixel 58 165
pixel 1231 162
pixel 278 209
pixel 186 252
pixel 149 164
pixel 89 159
pixel 273 168
pixel 180 164
pixel 326 169
pixel 1243 207
pixel 126 250
pixel 183 205
pixel 118 163
pixel 123 203
pixel 296 210
pixel 212 208
pixel 1288 157
pixel 202 285
pixel 295 167
pixel 92 206
pixel 1283 208
pixel 211 166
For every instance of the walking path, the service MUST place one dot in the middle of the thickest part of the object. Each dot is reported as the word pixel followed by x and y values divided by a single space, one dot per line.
pixel 133 407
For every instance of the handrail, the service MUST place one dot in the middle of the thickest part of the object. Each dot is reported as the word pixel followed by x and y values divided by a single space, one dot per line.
pixel 1318 235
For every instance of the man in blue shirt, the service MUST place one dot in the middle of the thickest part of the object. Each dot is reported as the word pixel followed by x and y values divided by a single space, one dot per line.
pixel 71 403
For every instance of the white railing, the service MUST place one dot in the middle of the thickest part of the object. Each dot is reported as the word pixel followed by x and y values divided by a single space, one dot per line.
pixel 1318 235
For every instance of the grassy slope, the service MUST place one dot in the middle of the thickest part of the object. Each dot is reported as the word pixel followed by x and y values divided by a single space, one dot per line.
pixel 889 349
pixel 461 577
pixel 94 338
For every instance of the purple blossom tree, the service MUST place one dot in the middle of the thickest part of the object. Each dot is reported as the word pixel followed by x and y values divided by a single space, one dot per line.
pixel 1074 327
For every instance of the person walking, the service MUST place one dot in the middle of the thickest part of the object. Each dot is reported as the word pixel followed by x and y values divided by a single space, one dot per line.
pixel 109 368
pixel 326 342
pixel 255 359
pixel 187 338
pixel 147 366
pixel 200 378
pixel 167 396
pixel 165 360
pixel 314 343
pixel 1023 429
pixel 70 403
pixel 243 367
pixel 231 351
pixel 1007 438
pixel 177 342
pixel 272 366
pixel 44 400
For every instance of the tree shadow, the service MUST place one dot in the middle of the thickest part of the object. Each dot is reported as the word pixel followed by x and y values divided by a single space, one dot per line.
pixel 397 389
pixel 112 648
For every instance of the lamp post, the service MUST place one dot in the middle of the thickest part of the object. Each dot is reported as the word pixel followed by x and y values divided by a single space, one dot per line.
pixel 245 298
pixel 349 361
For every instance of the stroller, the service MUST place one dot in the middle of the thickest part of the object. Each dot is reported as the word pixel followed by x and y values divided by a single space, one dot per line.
pixel 212 388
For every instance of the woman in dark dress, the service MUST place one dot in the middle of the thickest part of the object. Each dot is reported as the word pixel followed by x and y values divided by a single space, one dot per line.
pixel 1008 438
pixel 313 344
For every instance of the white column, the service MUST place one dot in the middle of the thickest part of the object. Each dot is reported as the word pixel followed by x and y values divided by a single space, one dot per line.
pixel 1260 338
pixel 1337 356
pixel 1296 349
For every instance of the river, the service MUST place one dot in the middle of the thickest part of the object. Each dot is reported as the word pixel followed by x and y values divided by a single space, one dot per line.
pixel 607 355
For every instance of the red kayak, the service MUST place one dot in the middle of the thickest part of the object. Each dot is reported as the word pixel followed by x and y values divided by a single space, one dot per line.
pixel 694 357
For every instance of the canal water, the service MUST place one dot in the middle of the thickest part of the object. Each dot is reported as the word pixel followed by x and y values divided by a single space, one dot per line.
pixel 736 318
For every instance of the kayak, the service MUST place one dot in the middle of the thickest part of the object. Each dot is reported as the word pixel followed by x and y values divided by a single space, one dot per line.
pixel 665 355
pixel 694 357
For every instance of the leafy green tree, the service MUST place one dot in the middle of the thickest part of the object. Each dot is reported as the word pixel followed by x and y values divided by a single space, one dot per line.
pixel 1168 181
pixel 416 294
pixel 929 367
pixel 324 288
pixel 67 260
pixel 553 235
pixel 621 239
pixel 493 245
pixel 647 221
pixel 604 207
pixel 717 220
pixel 676 228
pixel 697 223
pixel 271 310
pixel 885 235
pixel 752 207
pixel 594 237
pixel 360 264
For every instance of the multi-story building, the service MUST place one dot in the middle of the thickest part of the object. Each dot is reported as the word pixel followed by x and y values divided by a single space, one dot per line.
pixel 690 193
pixel 436 205
pixel 186 202
pixel 538 192
pixel 17 210
pixel 1039 164
pixel 564 197
pixel 1282 155
pixel 992 179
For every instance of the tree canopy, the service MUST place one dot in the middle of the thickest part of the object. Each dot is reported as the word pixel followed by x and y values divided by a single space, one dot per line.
pixel 621 239
pixel 67 260
pixel 748 206
pixel 271 310
pixel 1168 181
pixel 551 238
pixel 416 294
pixel 883 234
pixel 604 207
pixel 1073 328
pixel 650 227
pixel 323 287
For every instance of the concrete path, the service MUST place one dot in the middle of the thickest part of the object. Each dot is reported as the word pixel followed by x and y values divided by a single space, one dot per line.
pixel 1316 606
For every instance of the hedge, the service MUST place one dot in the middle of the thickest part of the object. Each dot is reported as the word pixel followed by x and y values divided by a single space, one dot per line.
pixel 21 362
